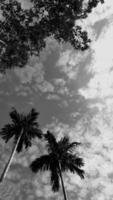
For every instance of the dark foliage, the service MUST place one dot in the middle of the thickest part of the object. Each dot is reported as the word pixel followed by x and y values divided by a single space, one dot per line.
pixel 27 124
pixel 23 32
pixel 59 152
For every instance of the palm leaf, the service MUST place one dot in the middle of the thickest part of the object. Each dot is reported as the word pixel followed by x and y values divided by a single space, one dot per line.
pixel 30 128
pixel 64 141
pixel 7 132
pixel 55 179
pixel 52 143
pixel 72 168
pixel 34 132
pixel 69 158
pixel 26 139
pixel 23 128
pixel 65 145
pixel 60 154
pixel 41 163
pixel 79 162
pixel 72 163
pixel 32 117
pixel 20 122
pixel 24 142
pixel 15 116
pixel 79 171
pixel 70 148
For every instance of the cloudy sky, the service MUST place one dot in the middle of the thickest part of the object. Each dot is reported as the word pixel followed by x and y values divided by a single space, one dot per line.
pixel 73 91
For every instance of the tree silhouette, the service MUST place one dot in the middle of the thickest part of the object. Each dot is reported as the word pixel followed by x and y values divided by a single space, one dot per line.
pixel 23 31
pixel 23 129
pixel 60 158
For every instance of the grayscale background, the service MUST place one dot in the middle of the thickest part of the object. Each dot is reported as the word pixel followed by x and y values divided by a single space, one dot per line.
pixel 73 91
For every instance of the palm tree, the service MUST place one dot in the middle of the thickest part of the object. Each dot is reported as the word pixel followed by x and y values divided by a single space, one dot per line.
pixel 23 129
pixel 60 158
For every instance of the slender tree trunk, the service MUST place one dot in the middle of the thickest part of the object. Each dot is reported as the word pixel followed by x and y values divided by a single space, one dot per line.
pixel 10 159
pixel 62 182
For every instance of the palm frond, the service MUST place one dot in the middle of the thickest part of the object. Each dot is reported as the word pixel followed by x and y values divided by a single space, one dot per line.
pixel 41 163
pixel 32 117
pixel 55 179
pixel 30 128
pixel 72 163
pixel 27 124
pixel 79 162
pixel 69 158
pixel 65 145
pixel 52 143
pixel 34 132
pixel 71 147
pixel 7 132
pixel 29 135
pixel 15 116
pixel 80 172
pixel 73 168
pixel 64 141
pixel 27 143
pixel 24 142
pixel 59 152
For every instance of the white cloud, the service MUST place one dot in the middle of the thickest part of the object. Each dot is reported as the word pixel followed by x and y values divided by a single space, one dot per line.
pixel 68 62
pixel 7 190
pixel 29 73
pixel 102 11
pixel 45 87
pixel 34 75
pixel 59 82
pixel 23 90
pixel 53 97
pixel 101 84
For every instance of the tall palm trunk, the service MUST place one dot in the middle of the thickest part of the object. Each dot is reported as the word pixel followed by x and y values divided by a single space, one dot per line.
pixel 10 159
pixel 62 182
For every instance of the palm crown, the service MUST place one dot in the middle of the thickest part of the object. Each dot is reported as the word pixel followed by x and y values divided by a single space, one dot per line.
pixel 27 124
pixel 60 158
pixel 23 128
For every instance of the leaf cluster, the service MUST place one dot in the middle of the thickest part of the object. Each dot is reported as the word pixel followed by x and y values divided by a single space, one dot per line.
pixel 25 124
pixel 59 153
pixel 23 31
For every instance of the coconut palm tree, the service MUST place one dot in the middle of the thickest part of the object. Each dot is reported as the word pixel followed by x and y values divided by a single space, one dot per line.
pixel 60 158
pixel 23 129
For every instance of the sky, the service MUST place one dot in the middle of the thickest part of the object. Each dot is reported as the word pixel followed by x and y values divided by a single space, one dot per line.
pixel 73 91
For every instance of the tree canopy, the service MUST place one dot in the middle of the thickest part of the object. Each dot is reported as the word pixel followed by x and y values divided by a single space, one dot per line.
pixel 60 158
pixel 23 129
pixel 23 31
pixel 27 124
